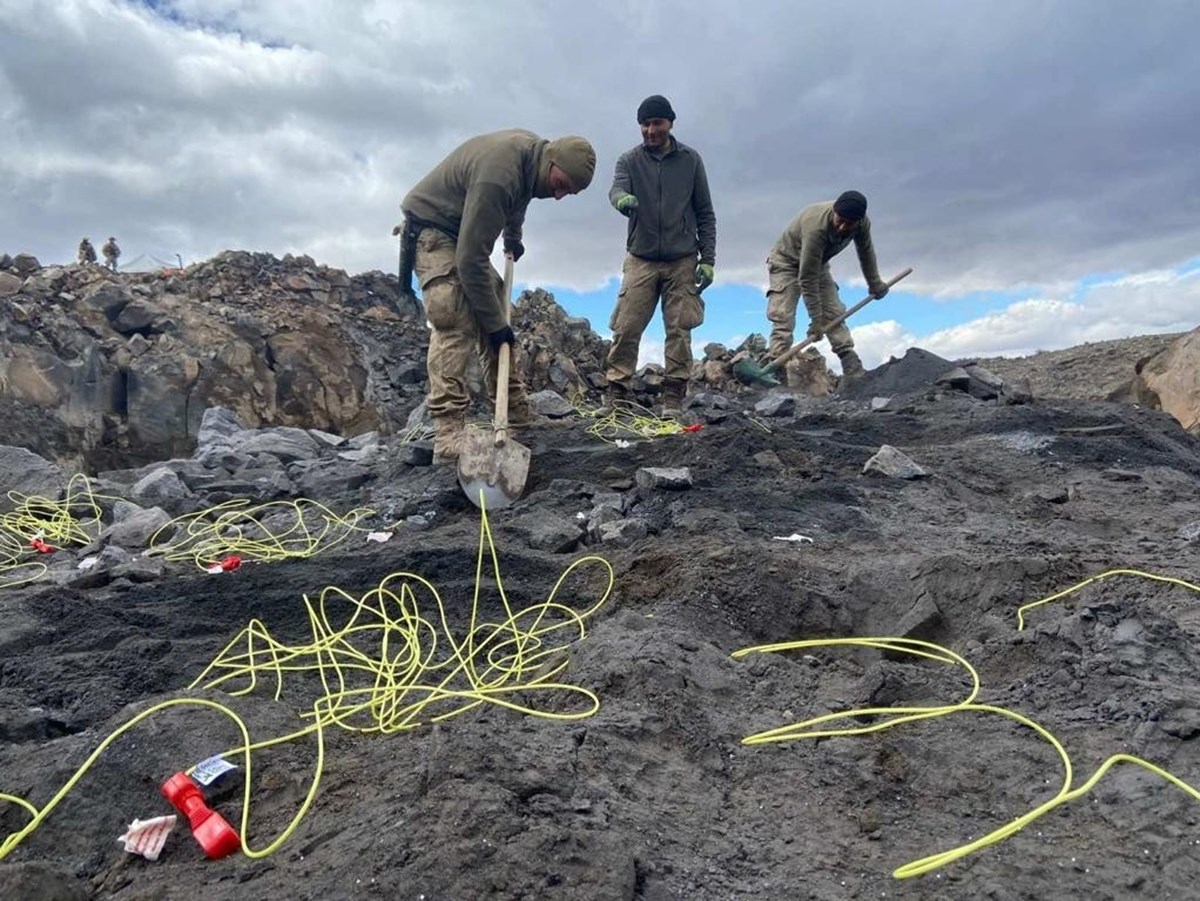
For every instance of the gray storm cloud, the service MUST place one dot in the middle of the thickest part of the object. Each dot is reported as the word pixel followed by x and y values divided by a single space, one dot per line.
pixel 1023 143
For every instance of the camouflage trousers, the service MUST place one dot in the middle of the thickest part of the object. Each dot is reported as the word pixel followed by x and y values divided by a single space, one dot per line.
pixel 643 282
pixel 783 295
pixel 456 334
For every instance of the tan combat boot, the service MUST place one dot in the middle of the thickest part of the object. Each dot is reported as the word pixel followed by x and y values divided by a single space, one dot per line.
pixel 674 391
pixel 852 367
pixel 616 396
pixel 448 438
pixel 522 416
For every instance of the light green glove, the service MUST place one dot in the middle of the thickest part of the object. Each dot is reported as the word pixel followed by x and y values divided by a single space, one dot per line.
pixel 626 204
pixel 704 276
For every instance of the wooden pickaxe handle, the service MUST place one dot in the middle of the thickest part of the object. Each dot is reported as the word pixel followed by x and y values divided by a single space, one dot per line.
pixel 813 339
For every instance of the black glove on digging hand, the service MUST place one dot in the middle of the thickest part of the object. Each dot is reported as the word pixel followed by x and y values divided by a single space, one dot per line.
pixel 500 337
pixel 515 249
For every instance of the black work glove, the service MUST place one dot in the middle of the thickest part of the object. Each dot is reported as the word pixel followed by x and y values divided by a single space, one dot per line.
pixel 515 249
pixel 501 337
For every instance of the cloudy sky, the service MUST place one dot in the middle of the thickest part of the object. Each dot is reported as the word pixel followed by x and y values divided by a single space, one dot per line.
pixel 1034 162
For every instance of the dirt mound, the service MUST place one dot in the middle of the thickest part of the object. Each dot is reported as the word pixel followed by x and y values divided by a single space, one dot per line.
pixel 1096 370
pixel 773 533
pixel 917 370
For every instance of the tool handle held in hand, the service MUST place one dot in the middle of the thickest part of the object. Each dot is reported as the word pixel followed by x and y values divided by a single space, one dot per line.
pixel 504 361
pixel 813 339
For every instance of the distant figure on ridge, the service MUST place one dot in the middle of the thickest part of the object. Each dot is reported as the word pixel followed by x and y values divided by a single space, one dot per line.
pixel 111 253
pixel 87 253
pixel 452 218
pixel 671 248
pixel 798 266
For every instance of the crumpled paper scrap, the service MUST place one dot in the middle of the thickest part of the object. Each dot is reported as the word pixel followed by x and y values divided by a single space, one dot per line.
pixel 147 837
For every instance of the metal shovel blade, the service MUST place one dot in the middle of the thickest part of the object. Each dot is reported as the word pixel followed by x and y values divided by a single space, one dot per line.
pixel 492 472
pixel 750 373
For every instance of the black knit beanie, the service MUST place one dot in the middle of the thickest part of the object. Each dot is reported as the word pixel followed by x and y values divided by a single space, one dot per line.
pixel 656 106
pixel 851 205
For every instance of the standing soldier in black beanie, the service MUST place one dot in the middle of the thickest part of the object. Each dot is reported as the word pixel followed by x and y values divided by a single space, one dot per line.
pixel 798 266
pixel 672 245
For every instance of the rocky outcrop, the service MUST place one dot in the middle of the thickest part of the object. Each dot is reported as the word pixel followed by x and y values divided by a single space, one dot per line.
pixel 560 352
pixel 101 369
pixel 1170 381
pixel 98 367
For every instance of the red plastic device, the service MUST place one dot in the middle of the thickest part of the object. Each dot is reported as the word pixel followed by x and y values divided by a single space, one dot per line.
pixel 210 829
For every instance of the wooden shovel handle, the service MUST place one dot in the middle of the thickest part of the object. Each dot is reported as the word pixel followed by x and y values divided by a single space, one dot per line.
pixel 813 339
pixel 504 363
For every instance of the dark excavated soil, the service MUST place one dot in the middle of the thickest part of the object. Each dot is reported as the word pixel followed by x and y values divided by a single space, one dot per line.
pixel 655 797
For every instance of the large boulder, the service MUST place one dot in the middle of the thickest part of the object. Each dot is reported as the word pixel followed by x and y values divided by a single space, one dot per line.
pixel 1170 380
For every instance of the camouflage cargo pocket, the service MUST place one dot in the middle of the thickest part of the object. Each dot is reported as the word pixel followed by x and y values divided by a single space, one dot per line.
pixel 443 302
pixel 435 256
pixel 614 321
pixel 691 311
pixel 440 287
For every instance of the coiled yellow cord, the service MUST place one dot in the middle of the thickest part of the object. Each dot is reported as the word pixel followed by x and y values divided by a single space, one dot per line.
pixel 381 670
pixel 232 528
pixel 626 419
pixel 238 528
pixel 75 520
pixel 58 522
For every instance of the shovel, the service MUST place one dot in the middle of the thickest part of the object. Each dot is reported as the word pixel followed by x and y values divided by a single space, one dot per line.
pixel 492 468
pixel 750 373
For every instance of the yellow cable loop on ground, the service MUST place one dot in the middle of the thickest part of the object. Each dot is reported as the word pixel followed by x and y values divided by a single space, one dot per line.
pixel 898 715
pixel 626 418
pixel 16 567
pixel 75 520
pixel 757 421
pixel 237 528
pixel 57 522
pixel 381 671
pixel 418 432
pixel 39 815
pixel 521 653
pixel 1096 578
